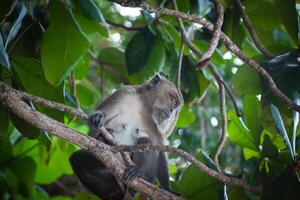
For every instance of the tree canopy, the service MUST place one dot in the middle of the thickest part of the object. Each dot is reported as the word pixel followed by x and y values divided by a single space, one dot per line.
pixel 236 63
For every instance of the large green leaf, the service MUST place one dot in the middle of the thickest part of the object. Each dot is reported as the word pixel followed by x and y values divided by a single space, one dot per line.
pixel 26 175
pixel 145 55
pixel 62 46
pixel 89 9
pixel 285 71
pixel 193 81
pixel 91 29
pixel 238 134
pixel 195 184
pixel 112 56
pixel 31 75
pixel 252 110
pixel 281 128
pixel 280 18
pixel 243 77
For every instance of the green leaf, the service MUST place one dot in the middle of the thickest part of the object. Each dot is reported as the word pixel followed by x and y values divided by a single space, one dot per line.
pixel 238 134
pixel 4 60
pixel 26 129
pixel 31 75
pixel 281 16
pixel 232 25
pixel 26 175
pixel 62 46
pixel 82 67
pixel 89 9
pixel 252 110
pixel 87 94
pixel 145 55
pixel 285 71
pixel 52 163
pixel 92 29
pixel 195 184
pixel 193 81
pixel 281 128
pixel 112 56
pixel 269 150
pixel 243 77
pixel 16 26
pixel 186 117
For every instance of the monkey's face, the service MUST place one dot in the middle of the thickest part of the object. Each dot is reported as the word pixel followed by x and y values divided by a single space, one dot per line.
pixel 165 102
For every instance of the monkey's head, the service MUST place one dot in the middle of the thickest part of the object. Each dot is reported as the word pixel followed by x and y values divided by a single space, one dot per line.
pixel 165 100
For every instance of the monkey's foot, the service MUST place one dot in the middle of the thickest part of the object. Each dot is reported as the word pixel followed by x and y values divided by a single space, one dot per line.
pixel 96 119
pixel 131 172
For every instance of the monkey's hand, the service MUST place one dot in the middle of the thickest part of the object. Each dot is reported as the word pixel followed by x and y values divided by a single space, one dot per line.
pixel 131 172
pixel 96 119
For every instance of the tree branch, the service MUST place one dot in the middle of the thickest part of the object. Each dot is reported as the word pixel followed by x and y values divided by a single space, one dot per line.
pixel 215 33
pixel 223 112
pixel 252 32
pixel 233 48
pixel 200 166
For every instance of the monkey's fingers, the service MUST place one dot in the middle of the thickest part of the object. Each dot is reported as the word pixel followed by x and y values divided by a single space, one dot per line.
pixel 96 119
pixel 131 172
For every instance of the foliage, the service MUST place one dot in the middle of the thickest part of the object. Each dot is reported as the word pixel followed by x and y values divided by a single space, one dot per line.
pixel 80 51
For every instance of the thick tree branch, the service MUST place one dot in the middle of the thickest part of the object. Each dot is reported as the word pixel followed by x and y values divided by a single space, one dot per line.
pixel 13 99
pixel 233 48
pixel 252 32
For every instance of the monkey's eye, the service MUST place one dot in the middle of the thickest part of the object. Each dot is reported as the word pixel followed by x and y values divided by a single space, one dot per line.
pixel 172 98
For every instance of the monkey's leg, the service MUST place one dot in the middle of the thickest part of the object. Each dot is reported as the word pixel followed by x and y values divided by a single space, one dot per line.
pixel 146 164
pixel 163 171
pixel 95 176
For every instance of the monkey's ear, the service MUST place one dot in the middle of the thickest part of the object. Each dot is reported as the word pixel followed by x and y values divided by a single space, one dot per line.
pixel 155 80
pixel 164 75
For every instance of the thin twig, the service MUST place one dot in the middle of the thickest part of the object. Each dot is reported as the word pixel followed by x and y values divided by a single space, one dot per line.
pixel 233 48
pixel 252 32
pixel 223 112
pixel 213 43
pixel 234 103
pixel 179 69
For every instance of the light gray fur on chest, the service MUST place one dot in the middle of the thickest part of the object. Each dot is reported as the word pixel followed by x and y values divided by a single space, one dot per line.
pixel 125 121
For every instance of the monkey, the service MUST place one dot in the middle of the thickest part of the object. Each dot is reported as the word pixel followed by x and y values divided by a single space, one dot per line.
pixel 134 114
